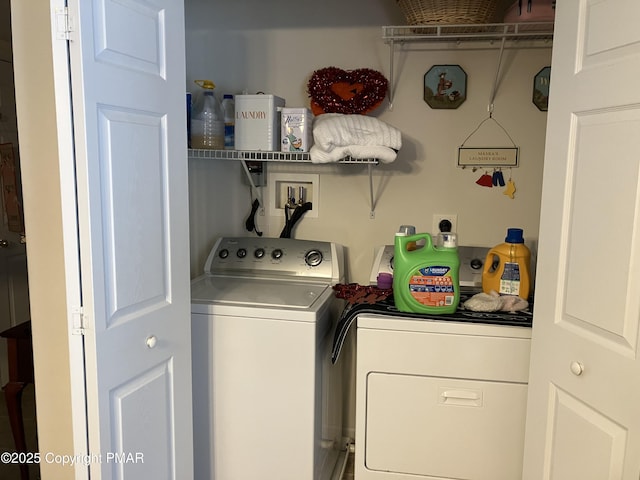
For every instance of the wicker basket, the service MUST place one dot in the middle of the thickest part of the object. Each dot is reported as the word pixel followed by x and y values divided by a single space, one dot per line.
pixel 447 12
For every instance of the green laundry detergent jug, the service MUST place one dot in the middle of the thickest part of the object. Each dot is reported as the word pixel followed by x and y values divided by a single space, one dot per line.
pixel 425 280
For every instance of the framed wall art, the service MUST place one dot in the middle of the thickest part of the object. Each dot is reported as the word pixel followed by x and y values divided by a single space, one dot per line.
pixel 445 86
pixel 541 89
pixel 9 184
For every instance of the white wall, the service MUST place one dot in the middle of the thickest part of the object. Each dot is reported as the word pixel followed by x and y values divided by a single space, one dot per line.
pixel 277 50
pixel 216 201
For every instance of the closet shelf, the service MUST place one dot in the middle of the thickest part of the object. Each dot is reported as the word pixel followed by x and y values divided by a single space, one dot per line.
pixel 244 156
pixel 265 156
pixel 519 35
pixel 466 33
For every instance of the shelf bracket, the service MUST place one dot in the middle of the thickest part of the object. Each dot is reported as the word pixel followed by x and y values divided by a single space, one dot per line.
pixel 494 89
pixel 372 211
pixel 254 189
pixel 392 48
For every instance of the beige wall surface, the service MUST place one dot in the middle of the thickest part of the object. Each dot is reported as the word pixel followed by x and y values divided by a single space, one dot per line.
pixel 278 53
pixel 43 224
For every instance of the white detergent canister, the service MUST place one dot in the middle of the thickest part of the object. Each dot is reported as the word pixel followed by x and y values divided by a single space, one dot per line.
pixel 257 124
pixel 296 130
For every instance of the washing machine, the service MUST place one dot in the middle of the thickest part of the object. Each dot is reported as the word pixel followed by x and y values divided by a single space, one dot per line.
pixel 267 401
pixel 440 396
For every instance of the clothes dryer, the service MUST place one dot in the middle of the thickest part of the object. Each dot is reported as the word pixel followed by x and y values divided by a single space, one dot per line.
pixel 439 396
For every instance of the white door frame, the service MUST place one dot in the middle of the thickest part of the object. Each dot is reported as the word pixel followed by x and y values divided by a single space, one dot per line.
pixel 66 155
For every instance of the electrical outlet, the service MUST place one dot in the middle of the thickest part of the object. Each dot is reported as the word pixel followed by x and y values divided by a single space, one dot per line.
pixel 439 217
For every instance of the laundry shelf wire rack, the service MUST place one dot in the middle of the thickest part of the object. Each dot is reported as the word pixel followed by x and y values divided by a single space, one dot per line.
pixel 268 156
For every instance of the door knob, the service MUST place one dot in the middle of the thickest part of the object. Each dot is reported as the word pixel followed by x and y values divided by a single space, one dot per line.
pixel 151 341
pixel 4 243
pixel 577 368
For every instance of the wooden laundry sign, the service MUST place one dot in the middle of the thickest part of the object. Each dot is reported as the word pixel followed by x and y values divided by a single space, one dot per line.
pixel 488 156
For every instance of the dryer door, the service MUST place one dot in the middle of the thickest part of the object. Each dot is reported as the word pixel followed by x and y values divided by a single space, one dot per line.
pixel 444 427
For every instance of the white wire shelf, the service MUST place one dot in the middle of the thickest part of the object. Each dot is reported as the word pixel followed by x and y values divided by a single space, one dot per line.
pixel 519 35
pixel 266 156
pixel 476 32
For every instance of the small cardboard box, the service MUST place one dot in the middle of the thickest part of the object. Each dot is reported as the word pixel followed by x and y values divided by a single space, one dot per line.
pixel 296 130
pixel 258 122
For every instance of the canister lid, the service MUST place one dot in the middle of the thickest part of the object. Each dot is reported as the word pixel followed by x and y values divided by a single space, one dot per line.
pixel 406 230
pixel 448 239
pixel 514 235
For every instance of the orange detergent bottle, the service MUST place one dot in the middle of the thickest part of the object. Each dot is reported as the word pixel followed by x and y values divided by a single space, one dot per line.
pixel 507 267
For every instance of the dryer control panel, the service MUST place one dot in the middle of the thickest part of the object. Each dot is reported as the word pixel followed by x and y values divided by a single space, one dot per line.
pixel 471 263
pixel 279 257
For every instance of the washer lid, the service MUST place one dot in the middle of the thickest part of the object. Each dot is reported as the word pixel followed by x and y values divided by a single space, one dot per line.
pixel 261 292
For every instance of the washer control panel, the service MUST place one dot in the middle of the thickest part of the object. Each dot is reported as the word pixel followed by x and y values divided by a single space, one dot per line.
pixel 281 257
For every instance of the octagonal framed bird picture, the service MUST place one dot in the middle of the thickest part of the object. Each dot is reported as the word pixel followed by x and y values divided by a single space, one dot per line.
pixel 541 89
pixel 445 86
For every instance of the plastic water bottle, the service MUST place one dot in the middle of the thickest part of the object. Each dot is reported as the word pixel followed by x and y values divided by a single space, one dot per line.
pixel 207 125
pixel 229 109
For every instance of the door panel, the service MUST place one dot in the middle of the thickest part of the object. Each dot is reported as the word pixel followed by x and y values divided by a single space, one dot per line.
pixel 151 387
pixel 578 429
pixel 600 265
pixel 146 21
pixel 582 419
pixel 127 72
pixel 135 227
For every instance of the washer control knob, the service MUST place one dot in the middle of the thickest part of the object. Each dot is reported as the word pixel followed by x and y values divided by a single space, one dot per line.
pixel 476 264
pixel 577 368
pixel 259 253
pixel 277 254
pixel 241 253
pixel 313 258
pixel 224 253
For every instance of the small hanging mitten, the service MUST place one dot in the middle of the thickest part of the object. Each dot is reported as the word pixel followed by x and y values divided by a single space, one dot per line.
pixel 485 180
pixel 510 190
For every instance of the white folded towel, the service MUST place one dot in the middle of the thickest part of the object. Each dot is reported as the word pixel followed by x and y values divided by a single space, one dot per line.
pixel 493 302
pixel 336 136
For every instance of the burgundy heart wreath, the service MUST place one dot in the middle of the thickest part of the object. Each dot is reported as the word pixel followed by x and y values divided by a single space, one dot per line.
pixel 333 90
